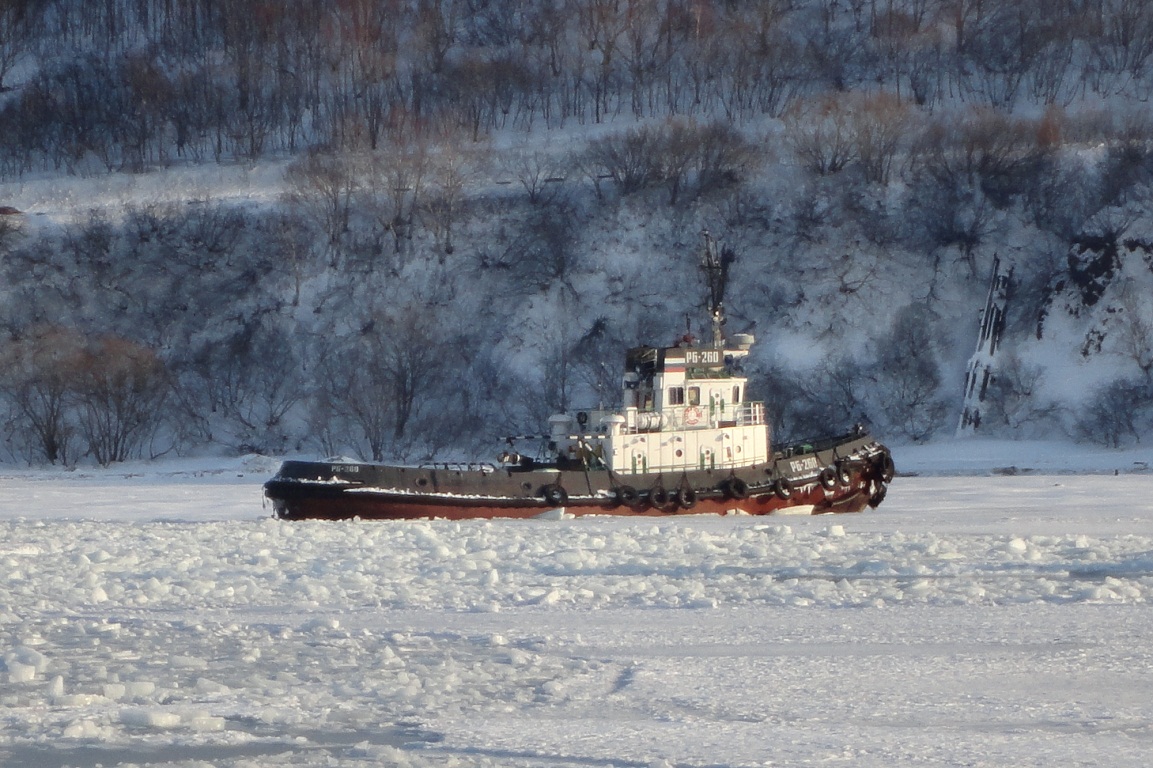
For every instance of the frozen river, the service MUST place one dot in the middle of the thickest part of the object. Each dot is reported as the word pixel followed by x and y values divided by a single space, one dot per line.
pixel 160 617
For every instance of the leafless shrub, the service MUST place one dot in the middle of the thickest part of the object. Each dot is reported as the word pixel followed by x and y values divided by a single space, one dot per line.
pixel 907 376
pixel 879 125
pixel 1132 337
pixel 38 378
pixel 821 135
pixel 396 179
pixel 121 388
pixel 681 154
pixel 1116 415
pixel 982 147
pixel 634 160
pixel 540 172
pixel 451 168
pixel 321 185
pixel 1014 402
pixel 380 381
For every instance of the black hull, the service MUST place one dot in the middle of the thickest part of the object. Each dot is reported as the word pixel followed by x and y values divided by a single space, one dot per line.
pixel 844 475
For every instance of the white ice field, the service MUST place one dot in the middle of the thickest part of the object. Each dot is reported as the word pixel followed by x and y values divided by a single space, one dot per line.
pixel 156 615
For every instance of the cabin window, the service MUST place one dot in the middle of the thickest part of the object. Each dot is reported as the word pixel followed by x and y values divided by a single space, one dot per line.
pixel 676 395
pixel 694 395
pixel 737 393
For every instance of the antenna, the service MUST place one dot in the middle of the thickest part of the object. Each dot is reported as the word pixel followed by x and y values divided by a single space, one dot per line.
pixel 715 264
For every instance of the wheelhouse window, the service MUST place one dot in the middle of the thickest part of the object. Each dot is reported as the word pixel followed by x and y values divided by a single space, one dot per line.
pixel 736 393
pixel 694 395
pixel 676 395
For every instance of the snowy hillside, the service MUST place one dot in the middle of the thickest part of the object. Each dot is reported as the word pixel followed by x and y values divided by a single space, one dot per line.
pixel 432 224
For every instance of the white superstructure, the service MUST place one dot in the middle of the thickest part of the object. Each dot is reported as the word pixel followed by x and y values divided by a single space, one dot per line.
pixel 685 408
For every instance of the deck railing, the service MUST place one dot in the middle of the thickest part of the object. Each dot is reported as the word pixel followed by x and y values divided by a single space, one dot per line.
pixel 747 414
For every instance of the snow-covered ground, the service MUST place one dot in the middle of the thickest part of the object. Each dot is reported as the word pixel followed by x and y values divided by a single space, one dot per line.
pixel 994 611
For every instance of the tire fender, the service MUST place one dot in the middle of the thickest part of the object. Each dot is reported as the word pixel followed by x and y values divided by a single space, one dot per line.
pixel 555 495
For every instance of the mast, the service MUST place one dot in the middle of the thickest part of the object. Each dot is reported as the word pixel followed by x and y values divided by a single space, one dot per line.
pixel 715 263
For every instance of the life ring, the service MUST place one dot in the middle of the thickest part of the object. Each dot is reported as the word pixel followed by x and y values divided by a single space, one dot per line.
pixel 844 473
pixel 829 478
pixel 783 487
pixel 555 495
pixel 686 496
pixel 659 497
pixel 628 496
pixel 693 415
pixel 736 488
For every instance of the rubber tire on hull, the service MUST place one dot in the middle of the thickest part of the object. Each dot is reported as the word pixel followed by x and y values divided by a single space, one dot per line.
pixel 554 495
pixel 828 478
pixel 736 488
pixel 783 487
pixel 686 497
pixel 627 496
pixel 886 467
pixel 660 498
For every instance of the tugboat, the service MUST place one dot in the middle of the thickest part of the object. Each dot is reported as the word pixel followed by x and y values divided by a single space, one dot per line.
pixel 686 441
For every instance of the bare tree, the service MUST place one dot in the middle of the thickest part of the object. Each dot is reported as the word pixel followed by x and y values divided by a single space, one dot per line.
pixel 381 380
pixel 1116 414
pixel 451 168
pixel 294 245
pixel 821 134
pixel 540 172
pixel 121 388
pixel 411 359
pixel 879 125
pixel 601 25
pixel 249 384
pixel 908 376
pixel 17 20
pixel 1133 337
pixel 1014 399
pixel 723 156
pixel 397 177
pixel 370 43
pixel 634 160
pixel 38 372
pixel 436 31
pixel 321 186
pixel 1126 40
pixel 983 147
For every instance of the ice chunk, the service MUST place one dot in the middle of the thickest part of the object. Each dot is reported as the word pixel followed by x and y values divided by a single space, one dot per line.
pixel 150 718
pixel 21 673
pixel 205 685
pixel 82 729
pixel 202 721
pixel 187 662
pixel 140 688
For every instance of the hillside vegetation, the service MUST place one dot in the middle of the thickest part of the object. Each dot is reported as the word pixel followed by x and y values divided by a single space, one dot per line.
pixel 475 207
